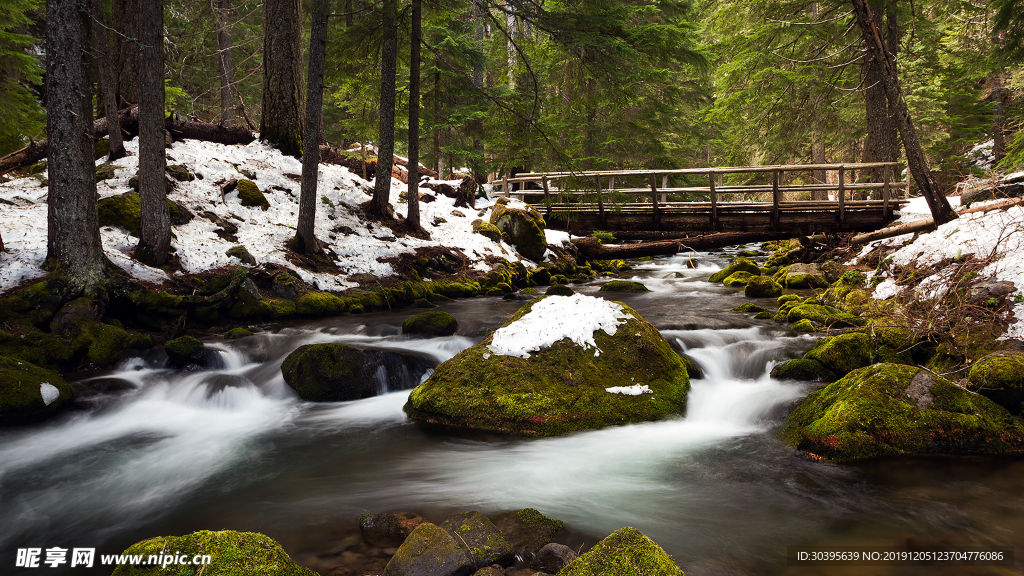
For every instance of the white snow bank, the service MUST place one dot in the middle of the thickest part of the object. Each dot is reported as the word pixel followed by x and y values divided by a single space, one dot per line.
pixel 575 317
pixel 360 246
pixel 634 390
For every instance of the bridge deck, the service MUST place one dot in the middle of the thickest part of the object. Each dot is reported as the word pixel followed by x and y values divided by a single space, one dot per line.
pixel 775 207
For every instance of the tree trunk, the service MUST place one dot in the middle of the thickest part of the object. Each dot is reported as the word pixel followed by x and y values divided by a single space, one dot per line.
pixel 107 83
pixel 73 234
pixel 281 121
pixel 305 239
pixel 881 143
pixel 125 60
pixel 155 233
pixel 386 145
pixel 413 195
pixel 222 8
pixel 818 157
pixel 998 118
pixel 916 161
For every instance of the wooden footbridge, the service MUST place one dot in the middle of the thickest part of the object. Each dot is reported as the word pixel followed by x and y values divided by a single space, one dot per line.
pixel 780 199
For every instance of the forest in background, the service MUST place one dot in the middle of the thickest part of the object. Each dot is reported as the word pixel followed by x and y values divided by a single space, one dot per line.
pixel 585 84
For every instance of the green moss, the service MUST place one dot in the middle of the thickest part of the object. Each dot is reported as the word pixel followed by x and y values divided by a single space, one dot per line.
pixel 231 554
pixel 249 195
pixel 762 287
pixel 788 298
pixel 186 346
pixel 32 345
pixel 236 333
pixel 242 254
pixel 626 552
pixel 999 377
pixel 21 392
pixel 738 265
pixel 433 323
pixel 480 537
pixel 766 315
pixel 803 369
pixel 738 279
pixel 487 230
pixel 803 326
pixel 623 286
pixel 524 228
pixel 748 307
pixel 328 373
pixel 180 173
pixel 105 343
pixel 822 314
pixel 893 409
pixel 104 171
pixel 559 290
pixel 429 549
pixel 122 211
pixel 558 389
pixel 844 353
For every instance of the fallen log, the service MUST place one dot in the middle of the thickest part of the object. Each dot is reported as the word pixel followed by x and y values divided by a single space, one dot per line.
pixel 129 118
pixel 928 223
pixel 591 249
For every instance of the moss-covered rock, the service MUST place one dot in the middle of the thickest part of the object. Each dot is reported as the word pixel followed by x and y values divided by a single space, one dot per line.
pixel 482 539
pixel 29 393
pixel 844 353
pixel 894 409
pixel 803 326
pixel 388 530
pixel 180 173
pixel 433 323
pixel 249 194
pixel 762 287
pixel 748 307
pixel 124 211
pixel 528 530
pixel 803 369
pixel 820 313
pixel 178 214
pixel 105 171
pixel 1000 377
pixel 737 265
pixel 801 276
pixel 236 333
pixel 487 230
pixel 336 372
pixel 230 553
pixel 788 298
pixel 626 552
pixel 524 228
pixel 560 388
pixel 188 351
pixel 738 279
pixel 559 290
pixel 242 254
pixel 430 550
pixel 623 286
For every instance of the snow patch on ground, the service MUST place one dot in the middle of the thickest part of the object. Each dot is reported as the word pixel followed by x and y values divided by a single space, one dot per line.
pixel 575 317
pixel 361 246
pixel 634 390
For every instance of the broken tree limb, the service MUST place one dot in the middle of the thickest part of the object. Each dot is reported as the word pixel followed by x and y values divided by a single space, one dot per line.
pixel 928 223
pixel 592 249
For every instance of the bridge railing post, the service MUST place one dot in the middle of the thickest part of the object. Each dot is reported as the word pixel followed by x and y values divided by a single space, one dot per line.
pixel 714 199
pixel 886 209
pixel 664 186
pixel 776 199
pixel 600 200
pixel 842 195
pixel 547 194
pixel 655 216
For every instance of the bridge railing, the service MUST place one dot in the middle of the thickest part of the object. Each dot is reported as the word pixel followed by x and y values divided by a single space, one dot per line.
pixel 571 191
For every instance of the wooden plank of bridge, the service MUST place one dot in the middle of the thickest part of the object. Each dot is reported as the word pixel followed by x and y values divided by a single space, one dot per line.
pixel 714 200
pixel 600 201
pixel 776 199
pixel 655 214
pixel 842 195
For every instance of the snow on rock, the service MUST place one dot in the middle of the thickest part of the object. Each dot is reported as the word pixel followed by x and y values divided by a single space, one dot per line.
pixel 634 390
pixel 49 392
pixel 998 234
pixel 360 246
pixel 575 317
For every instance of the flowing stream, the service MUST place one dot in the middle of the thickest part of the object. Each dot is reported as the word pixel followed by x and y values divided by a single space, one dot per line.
pixel 234 449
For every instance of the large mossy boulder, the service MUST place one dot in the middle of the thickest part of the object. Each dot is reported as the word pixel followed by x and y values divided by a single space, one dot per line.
pixel 29 393
pixel 844 353
pixel 626 552
pixel 190 351
pixel 895 409
pixel 803 369
pixel 801 276
pixel 430 551
pixel 482 539
pixel 738 279
pixel 528 530
pixel 231 554
pixel 548 369
pixel 524 228
pixel 337 373
pixel 249 194
pixel 1000 377
pixel 819 313
pixel 124 211
pixel 487 230
pixel 762 287
pixel 432 323
pixel 737 265
pixel 623 286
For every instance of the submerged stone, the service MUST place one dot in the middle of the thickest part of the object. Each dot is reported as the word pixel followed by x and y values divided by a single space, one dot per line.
pixel 561 387
pixel 231 554
pixel 336 372
pixel 623 286
pixel 432 323
pixel 894 409
pixel 626 552
pixel 388 530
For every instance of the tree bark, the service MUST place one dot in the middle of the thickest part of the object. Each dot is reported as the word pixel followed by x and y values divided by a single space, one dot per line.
pixel 998 118
pixel 881 143
pixel 222 8
pixel 73 234
pixel 107 84
pixel 155 232
pixel 413 195
pixel 125 14
pixel 386 145
pixel 305 238
pixel 916 161
pixel 281 121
